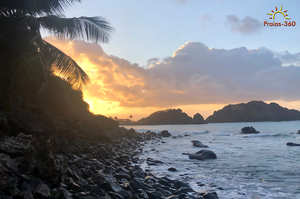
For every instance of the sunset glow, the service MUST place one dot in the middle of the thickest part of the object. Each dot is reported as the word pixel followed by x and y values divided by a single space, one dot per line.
pixel 118 88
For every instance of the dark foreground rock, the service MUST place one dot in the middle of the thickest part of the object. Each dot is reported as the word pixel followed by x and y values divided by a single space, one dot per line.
pixel 202 155
pixel 172 169
pixel 199 144
pixel 165 133
pixel 292 144
pixel 34 167
pixel 249 130
pixel 212 195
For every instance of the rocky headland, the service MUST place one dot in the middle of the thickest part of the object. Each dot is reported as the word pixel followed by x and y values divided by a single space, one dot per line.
pixel 171 116
pixel 65 166
pixel 254 111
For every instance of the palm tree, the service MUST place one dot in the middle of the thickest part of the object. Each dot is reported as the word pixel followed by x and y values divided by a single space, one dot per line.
pixel 21 22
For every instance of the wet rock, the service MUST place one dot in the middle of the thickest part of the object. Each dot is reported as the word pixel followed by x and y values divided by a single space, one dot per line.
pixel 183 190
pixel 155 195
pixel 42 190
pixel 153 162
pixel 8 163
pixel 200 184
pixel 172 169
pixel 249 130
pixel 203 155
pixel 292 144
pixel 212 195
pixel 165 133
pixel 16 146
pixel 27 195
pixel 199 144
pixel 62 193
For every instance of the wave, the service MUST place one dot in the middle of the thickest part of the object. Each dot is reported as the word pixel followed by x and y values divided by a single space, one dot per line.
pixel 271 135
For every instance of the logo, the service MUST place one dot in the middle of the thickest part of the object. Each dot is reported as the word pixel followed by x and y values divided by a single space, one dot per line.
pixel 279 18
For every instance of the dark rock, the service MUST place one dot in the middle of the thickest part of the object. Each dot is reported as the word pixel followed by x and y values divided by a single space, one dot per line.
pixel 185 190
pixel 42 190
pixel 292 144
pixel 298 132
pixel 249 130
pixel 199 144
pixel 7 162
pixel 27 195
pixel 62 193
pixel 165 133
pixel 155 195
pixel 16 146
pixel 212 195
pixel 203 155
pixel 153 162
pixel 172 169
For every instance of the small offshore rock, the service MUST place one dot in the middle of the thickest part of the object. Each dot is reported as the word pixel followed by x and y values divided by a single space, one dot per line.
pixel 298 132
pixel 165 133
pixel 172 169
pixel 203 155
pixel 199 144
pixel 249 130
pixel 292 144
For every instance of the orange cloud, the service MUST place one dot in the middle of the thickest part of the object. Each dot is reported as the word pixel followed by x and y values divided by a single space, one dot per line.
pixel 195 79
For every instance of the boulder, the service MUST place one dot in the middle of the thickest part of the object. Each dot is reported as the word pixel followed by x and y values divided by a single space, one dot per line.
pixel 249 130
pixel 202 155
pixel 298 132
pixel 212 195
pixel 16 146
pixel 43 191
pixel 172 169
pixel 165 133
pixel 197 143
pixel 153 162
pixel 292 144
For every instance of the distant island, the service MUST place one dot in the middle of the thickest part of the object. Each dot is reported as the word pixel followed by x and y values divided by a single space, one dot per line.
pixel 169 116
pixel 254 111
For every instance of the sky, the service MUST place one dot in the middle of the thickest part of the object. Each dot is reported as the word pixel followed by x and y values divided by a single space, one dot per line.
pixel 155 28
pixel 191 54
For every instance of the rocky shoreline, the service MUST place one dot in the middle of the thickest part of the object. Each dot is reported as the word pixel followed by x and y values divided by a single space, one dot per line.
pixel 76 168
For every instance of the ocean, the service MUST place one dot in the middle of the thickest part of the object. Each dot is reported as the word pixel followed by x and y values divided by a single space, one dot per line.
pixel 258 166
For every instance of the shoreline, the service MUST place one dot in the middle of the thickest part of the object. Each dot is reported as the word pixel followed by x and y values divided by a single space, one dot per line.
pixel 61 168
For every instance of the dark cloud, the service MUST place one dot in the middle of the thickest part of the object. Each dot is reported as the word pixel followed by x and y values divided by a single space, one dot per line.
pixel 195 74
pixel 247 25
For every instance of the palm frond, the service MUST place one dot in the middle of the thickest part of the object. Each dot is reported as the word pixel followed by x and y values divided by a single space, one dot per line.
pixel 65 66
pixel 37 6
pixel 89 28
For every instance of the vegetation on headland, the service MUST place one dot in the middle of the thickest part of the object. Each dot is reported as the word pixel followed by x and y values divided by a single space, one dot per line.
pixel 28 86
